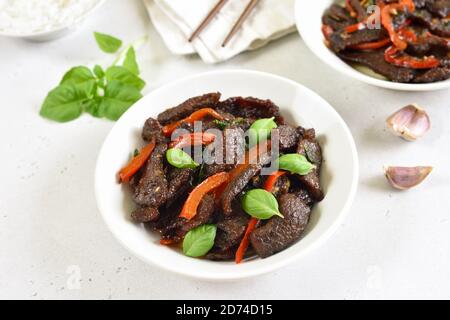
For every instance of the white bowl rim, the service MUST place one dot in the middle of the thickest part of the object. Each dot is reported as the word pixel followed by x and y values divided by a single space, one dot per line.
pixel 353 73
pixel 217 276
pixel 56 30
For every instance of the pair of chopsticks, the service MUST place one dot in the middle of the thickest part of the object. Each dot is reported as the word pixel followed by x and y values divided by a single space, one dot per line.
pixel 236 26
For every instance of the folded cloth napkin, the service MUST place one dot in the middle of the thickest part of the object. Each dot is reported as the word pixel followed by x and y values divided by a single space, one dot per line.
pixel 176 20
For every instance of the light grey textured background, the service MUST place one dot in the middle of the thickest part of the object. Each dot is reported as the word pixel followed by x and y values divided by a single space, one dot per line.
pixel 392 245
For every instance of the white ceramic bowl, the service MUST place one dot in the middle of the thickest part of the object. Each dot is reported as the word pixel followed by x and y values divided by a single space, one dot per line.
pixel 298 104
pixel 56 33
pixel 309 21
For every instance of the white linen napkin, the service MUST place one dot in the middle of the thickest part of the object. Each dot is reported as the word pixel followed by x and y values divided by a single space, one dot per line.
pixel 176 20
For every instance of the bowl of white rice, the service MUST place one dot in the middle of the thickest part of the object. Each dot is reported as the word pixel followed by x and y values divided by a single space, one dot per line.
pixel 42 20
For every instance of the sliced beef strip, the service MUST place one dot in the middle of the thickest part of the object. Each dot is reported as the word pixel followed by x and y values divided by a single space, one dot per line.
pixel 433 75
pixel 217 254
pixel 337 17
pixel 237 185
pixel 375 61
pixel 153 130
pixel 303 195
pixel 359 9
pixel 340 40
pixel 152 188
pixel 186 108
pixel 440 8
pixel 180 227
pixel 180 183
pixel 233 150
pixel 287 137
pixel 230 231
pixel 310 148
pixel 145 214
pixel 279 233
pixel 440 27
pixel 251 108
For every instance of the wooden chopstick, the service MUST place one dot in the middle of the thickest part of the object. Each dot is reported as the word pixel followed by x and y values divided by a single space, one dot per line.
pixel 208 19
pixel 240 21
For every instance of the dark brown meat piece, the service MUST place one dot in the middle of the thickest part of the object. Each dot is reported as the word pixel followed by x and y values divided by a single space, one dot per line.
pixel 233 150
pixel 339 40
pixel 186 108
pixel 251 108
pixel 180 227
pixel 217 254
pixel 303 195
pixel 337 17
pixel 230 231
pixel 238 184
pixel 287 137
pixel 152 188
pixel 433 75
pixel 279 233
pixel 310 148
pixel 440 27
pixel 145 214
pixel 180 183
pixel 375 61
pixel 440 8
pixel 153 130
pixel 359 9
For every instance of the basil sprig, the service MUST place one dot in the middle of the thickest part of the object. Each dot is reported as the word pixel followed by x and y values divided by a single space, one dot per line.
pixel 199 241
pixel 295 163
pixel 260 204
pixel 261 129
pixel 180 159
pixel 107 43
pixel 101 93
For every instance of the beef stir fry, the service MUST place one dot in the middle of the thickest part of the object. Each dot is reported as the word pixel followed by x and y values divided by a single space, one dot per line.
pixel 251 194
pixel 405 41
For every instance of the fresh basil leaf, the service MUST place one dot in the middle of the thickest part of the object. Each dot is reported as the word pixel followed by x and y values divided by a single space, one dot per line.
pixel 295 163
pixel 66 102
pixel 130 62
pixel 261 129
pixel 93 107
pixel 260 204
pixel 199 241
pixel 117 99
pixel 125 76
pixel 99 72
pixel 78 75
pixel 180 159
pixel 107 43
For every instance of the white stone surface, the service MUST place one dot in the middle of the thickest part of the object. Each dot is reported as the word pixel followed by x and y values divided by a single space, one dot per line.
pixel 392 245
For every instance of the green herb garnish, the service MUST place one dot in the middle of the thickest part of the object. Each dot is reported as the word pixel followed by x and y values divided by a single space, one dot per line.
pixel 103 94
pixel 295 163
pixel 199 241
pixel 260 204
pixel 180 159
pixel 260 130
pixel 107 43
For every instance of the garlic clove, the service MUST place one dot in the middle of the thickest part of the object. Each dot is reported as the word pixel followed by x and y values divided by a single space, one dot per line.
pixel 410 122
pixel 404 178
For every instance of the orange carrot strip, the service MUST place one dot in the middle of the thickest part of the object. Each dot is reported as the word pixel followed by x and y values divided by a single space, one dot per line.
pixel 193 139
pixel 136 163
pixel 189 210
pixel 197 115
pixel 372 45
pixel 240 253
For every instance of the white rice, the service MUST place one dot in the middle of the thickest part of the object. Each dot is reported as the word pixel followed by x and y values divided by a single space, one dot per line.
pixel 22 17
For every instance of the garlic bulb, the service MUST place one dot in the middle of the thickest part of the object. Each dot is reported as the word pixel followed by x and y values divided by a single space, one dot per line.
pixel 404 178
pixel 410 122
